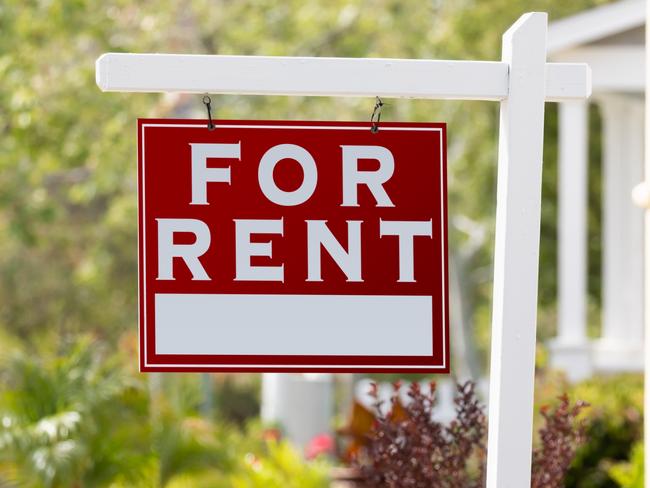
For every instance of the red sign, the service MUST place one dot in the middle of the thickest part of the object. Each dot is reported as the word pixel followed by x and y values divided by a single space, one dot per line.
pixel 293 246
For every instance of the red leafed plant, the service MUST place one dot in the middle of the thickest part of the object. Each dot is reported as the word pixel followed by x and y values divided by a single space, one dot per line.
pixel 560 437
pixel 407 448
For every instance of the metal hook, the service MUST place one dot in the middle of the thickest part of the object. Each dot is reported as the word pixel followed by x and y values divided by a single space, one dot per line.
pixel 207 101
pixel 376 116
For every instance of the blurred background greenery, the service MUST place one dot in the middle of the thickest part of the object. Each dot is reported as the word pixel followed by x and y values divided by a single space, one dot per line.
pixel 74 410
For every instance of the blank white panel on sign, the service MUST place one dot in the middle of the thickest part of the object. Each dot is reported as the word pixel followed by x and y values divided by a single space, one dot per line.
pixel 293 324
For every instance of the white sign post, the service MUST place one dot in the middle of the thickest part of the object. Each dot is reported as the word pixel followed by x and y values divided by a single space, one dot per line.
pixel 521 82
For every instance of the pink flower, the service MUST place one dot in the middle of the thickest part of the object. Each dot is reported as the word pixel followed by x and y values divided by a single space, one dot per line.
pixel 321 444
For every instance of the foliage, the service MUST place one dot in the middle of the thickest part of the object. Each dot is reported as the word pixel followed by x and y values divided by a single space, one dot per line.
pixel 630 474
pixel 280 465
pixel 236 397
pixel 63 418
pixel 407 448
pixel 614 423
pixel 560 437
pixel 75 416
pixel 67 151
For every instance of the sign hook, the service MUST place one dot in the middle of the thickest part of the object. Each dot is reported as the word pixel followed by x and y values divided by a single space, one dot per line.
pixel 376 115
pixel 207 101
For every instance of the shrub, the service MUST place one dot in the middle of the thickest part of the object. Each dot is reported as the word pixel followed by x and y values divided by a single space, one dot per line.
pixel 559 438
pixel 613 425
pixel 278 464
pixel 630 474
pixel 236 397
pixel 407 448
pixel 73 415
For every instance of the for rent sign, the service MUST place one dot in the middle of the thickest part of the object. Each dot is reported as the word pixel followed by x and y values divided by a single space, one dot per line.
pixel 292 246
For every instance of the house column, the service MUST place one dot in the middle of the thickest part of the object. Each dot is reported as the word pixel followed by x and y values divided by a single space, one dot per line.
pixel 621 345
pixel 570 351
pixel 302 404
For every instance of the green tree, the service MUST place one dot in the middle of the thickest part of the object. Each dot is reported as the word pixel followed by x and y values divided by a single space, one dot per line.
pixel 75 417
pixel 67 151
pixel 70 419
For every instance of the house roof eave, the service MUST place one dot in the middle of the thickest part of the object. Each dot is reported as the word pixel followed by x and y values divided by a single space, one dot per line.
pixel 594 24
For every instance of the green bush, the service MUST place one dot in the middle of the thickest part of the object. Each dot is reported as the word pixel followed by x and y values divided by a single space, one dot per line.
pixel 614 423
pixel 279 465
pixel 630 474
pixel 237 397
pixel 71 415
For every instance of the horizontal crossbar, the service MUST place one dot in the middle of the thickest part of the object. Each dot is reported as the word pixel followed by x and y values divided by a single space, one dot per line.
pixel 337 77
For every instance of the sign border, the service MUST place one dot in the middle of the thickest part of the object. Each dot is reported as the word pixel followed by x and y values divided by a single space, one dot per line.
pixel 147 365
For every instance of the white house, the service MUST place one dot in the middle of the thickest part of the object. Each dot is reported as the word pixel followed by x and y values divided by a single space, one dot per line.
pixel 611 39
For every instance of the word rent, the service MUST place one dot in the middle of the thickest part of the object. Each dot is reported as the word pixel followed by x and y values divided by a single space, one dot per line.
pixel 247 232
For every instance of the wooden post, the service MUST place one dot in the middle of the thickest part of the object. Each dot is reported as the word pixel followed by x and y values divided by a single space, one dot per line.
pixel 516 257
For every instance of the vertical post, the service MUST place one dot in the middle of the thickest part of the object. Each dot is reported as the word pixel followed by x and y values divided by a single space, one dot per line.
pixel 573 222
pixel 514 316
pixel 620 345
pixel 571 349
